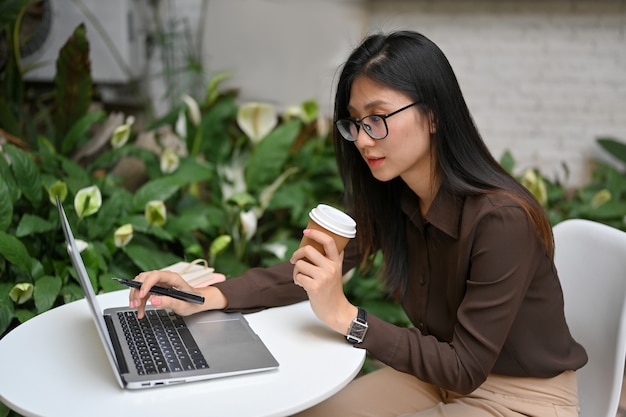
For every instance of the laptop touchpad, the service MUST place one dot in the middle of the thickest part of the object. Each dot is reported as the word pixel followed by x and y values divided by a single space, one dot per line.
pixel 220 328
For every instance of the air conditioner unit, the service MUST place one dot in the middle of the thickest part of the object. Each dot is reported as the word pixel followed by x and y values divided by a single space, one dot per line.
pixel 116 41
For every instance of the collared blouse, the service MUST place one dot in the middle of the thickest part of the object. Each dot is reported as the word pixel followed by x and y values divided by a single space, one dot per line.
pixel 483 296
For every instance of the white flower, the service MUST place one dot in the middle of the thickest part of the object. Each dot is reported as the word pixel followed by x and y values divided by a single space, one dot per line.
pixel 193 109
pixel 233 175
pixel 169 161
pixel 535 184
pixel 81 245
pixel 21 292
pixel 123 235
pixel 277 249
pixel 248 223
pixel 181 125
pixel 87 201
pixel 122 133
pixel 59 188
pixel 257 120
pixel 156 213
pixel 292 112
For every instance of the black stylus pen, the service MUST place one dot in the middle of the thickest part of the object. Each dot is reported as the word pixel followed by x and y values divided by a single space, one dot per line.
pixel 169 292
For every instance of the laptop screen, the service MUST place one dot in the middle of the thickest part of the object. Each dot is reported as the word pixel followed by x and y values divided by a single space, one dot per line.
pixel 96 311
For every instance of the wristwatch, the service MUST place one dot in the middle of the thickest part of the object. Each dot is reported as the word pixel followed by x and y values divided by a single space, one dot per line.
pixel 358 328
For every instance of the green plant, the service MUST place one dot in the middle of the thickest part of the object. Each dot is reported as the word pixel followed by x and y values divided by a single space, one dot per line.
pixel 26 114
pixel 603 199
pixel 211 188
pixel 284 173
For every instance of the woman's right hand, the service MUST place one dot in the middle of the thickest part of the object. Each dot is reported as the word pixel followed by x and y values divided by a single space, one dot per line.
pixel 214 298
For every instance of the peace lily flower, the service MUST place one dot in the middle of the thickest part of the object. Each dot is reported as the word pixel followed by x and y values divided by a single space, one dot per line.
pixel 81 245
pixel 233 175
pixel 536 186
pixel 257 120
pixel 181 125
pixel 123 235
pixel 249 223
pixel 292 112
pixel 59 188
pixel 277 249
pixel 87 201
pixel 21 292
pixel 122 133
pixel 156 213
pixel 601 197
pixel 192 109
pixel 169 161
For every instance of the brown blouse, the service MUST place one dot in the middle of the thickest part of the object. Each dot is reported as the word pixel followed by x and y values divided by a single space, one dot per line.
pixel 483 296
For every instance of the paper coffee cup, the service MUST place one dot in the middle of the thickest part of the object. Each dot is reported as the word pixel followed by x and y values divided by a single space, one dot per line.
pixel 333 222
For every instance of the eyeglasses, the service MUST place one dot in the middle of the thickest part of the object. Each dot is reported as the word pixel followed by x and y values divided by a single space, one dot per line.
pixel 375 125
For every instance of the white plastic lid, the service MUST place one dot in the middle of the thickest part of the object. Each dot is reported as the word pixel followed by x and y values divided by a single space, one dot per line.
pixel 334 220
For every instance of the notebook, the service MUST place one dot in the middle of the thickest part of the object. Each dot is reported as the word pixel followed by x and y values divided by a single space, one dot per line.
pixel 202 346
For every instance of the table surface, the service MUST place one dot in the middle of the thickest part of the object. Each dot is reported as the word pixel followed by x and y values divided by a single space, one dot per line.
pixel 37 378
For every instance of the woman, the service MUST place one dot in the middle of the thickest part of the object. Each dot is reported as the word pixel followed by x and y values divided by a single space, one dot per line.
pixel 467 251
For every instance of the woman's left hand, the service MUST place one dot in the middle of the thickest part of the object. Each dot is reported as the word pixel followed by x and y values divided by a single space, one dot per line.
pixel 321 277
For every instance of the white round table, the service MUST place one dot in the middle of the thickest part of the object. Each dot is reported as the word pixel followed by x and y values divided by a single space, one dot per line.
pixel 54 365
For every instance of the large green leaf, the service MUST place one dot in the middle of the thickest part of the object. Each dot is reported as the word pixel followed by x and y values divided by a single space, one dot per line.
pixel 159 189
pixel 46 292
pixel 8 121
pixel 108 216
pixel 147 259
pixel 6 307
pixel 78 131
pixel 23 315
pixel 6 316
pixel 72 292
pixel 614 147
pixel 192 170
pixel 268 157
pixel 15 252
pixel 26 174
pixel 30 224
pixel 6 206
pixel 72 83
pixel 14 191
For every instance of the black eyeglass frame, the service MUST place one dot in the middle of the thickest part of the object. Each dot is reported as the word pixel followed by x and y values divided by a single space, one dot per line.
pixel 359 123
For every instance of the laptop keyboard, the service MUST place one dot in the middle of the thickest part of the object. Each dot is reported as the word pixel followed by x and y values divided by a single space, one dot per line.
pixel 160 342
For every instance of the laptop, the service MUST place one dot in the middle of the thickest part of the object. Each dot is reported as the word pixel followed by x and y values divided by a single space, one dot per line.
pixel 205 345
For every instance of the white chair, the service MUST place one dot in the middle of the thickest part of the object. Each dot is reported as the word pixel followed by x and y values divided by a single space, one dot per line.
pixel 591 261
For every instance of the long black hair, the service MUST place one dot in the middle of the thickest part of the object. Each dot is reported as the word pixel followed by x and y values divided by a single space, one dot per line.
pixel 412 64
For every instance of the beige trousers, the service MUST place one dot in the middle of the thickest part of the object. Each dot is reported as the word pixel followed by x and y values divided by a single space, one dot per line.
pixel 389 393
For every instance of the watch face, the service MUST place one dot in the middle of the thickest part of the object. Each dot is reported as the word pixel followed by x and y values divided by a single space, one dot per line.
pixel 357 332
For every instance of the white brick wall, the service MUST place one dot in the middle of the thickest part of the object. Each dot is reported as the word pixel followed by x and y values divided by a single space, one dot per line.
pixel 543 79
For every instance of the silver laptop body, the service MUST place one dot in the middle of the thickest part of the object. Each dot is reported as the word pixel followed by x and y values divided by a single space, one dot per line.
pixel 225 340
